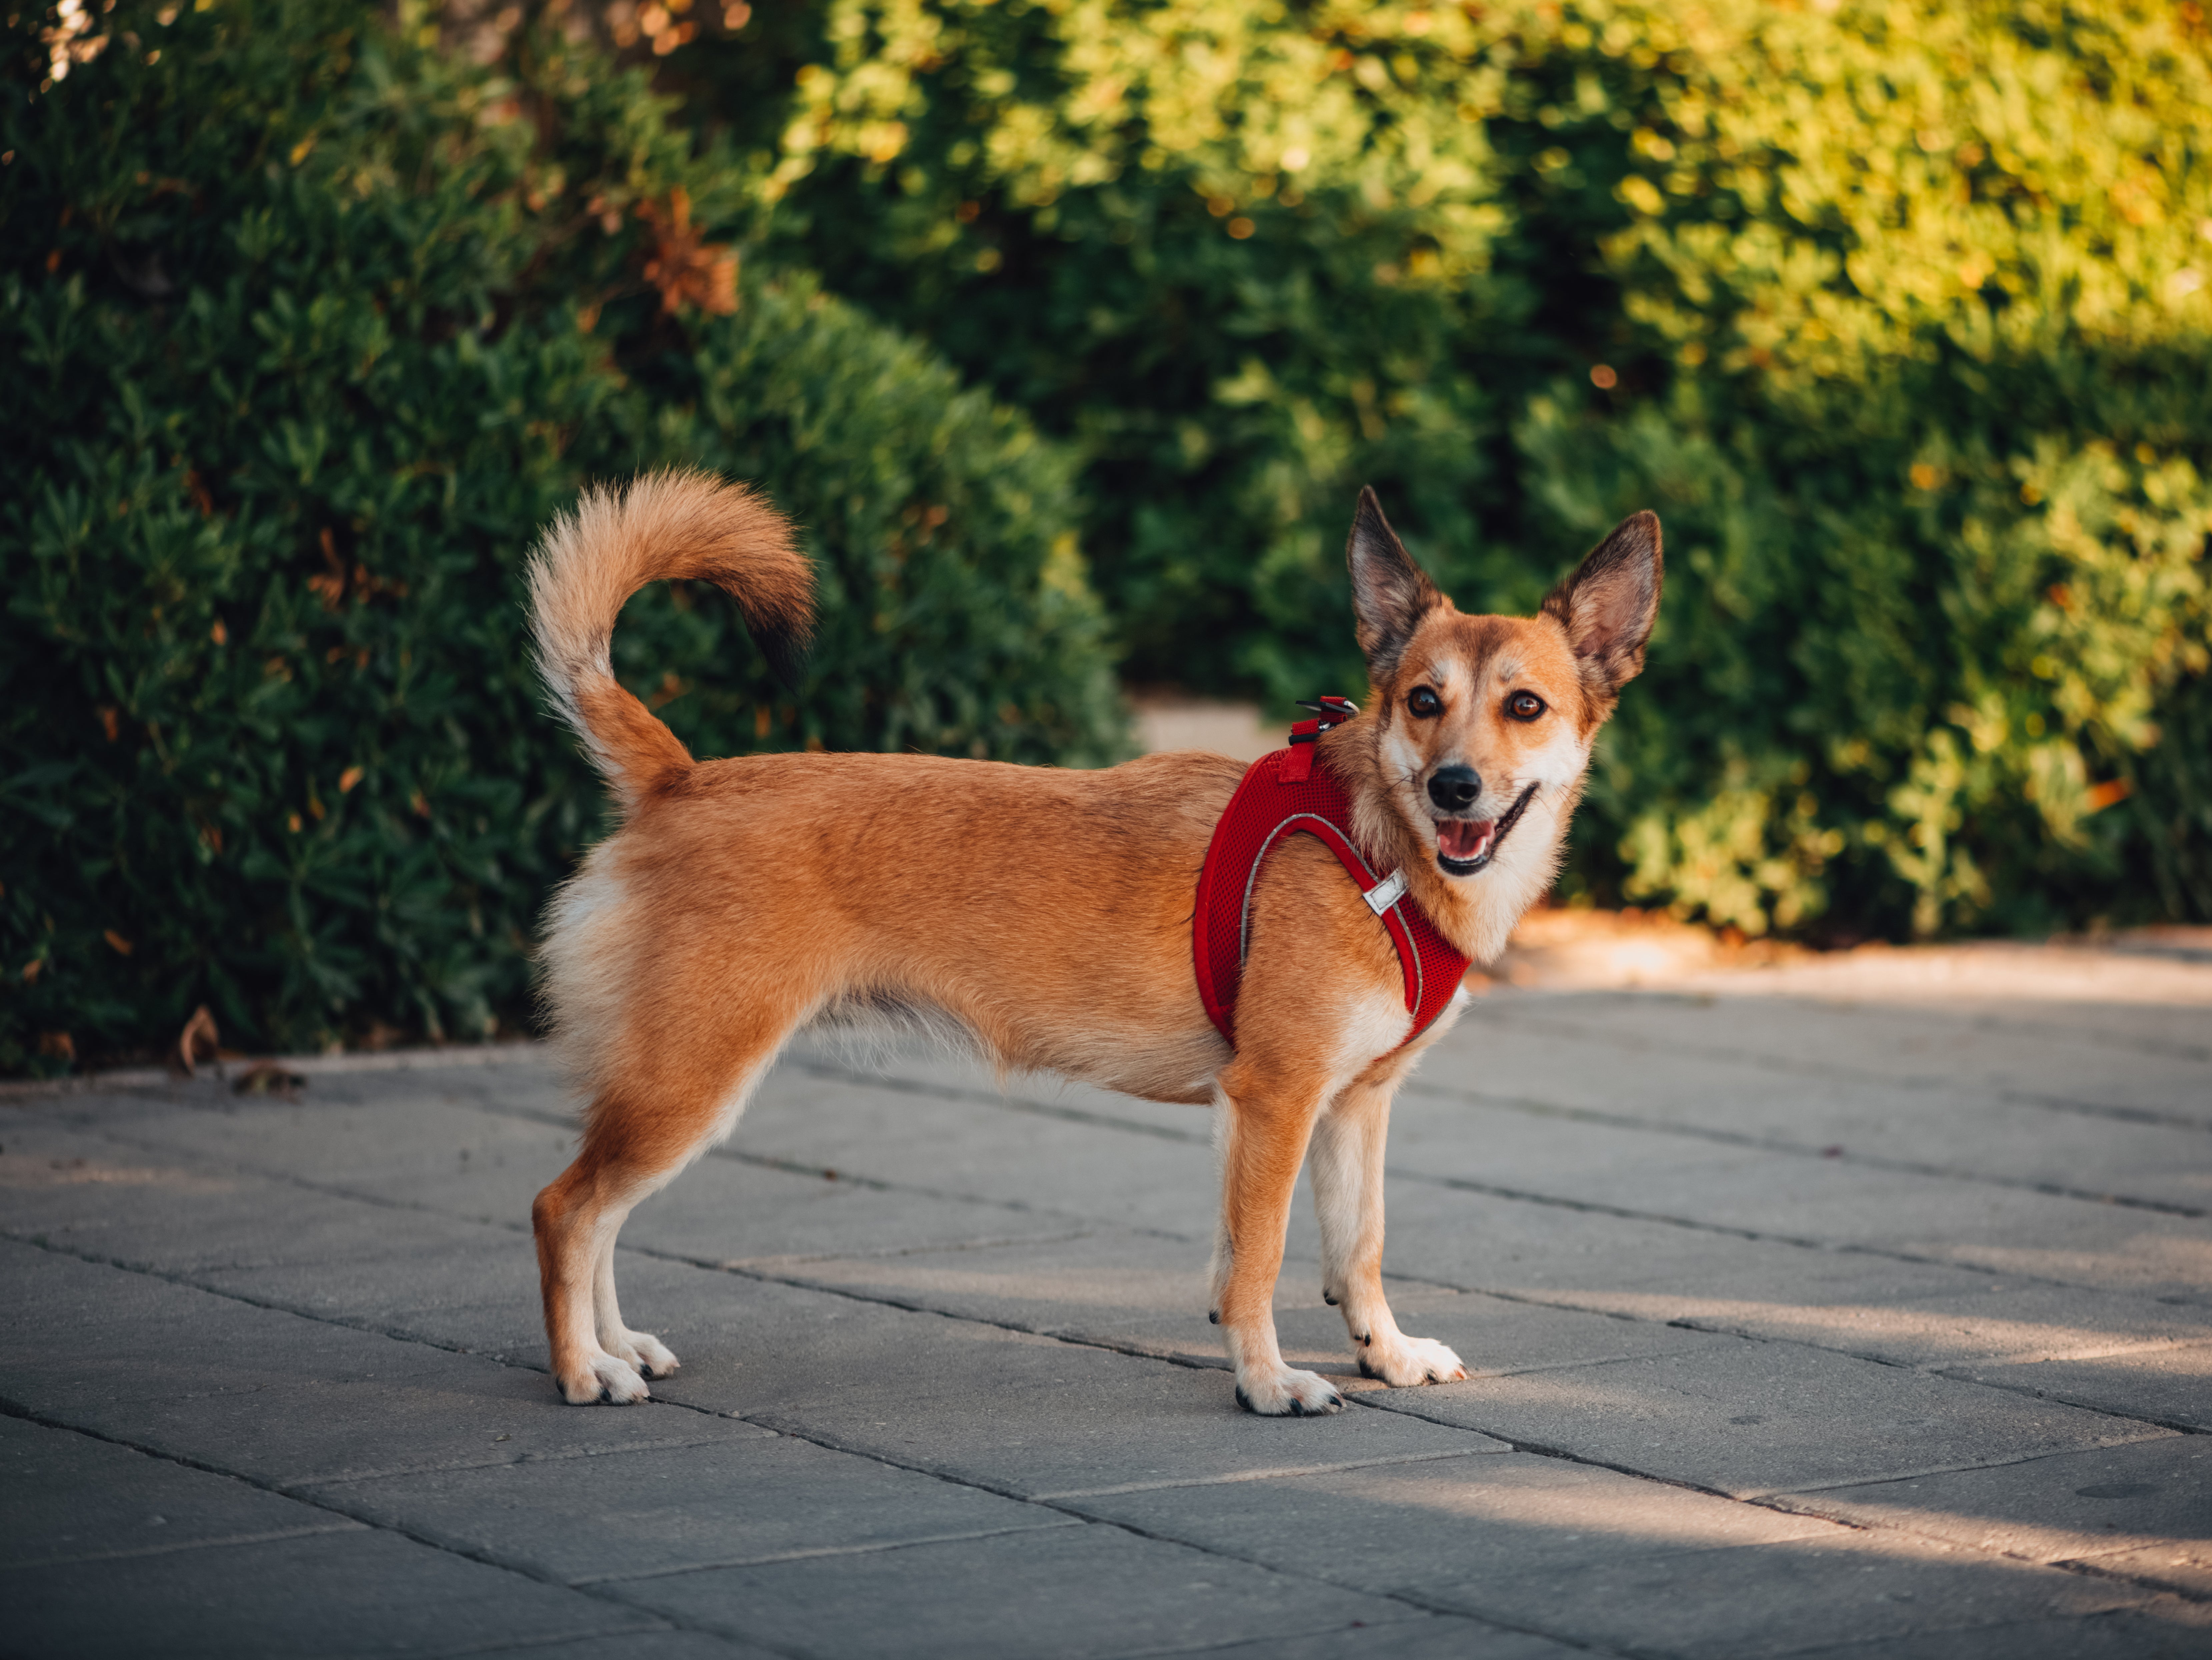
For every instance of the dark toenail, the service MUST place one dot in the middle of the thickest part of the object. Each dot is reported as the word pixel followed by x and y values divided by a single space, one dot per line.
pixel 606 1395
pixel 1242 1399
pixel 1214 1317
pixel 1298 1408
pixel 1363 1338
pixel 1365 1370
pixel 1330 1300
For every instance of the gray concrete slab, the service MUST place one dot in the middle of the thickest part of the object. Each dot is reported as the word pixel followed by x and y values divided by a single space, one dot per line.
pixel 1750 1419
pixel 1414 1530
pixel 2167 1628
pixel 2141 1512
pixel 2165 1385
pixel 328 1594
pixel 1432 1637
pixel 71 1496
pixel 281 1400
pixel 1063 1591
pixel 734 1502
pixel 1786 1597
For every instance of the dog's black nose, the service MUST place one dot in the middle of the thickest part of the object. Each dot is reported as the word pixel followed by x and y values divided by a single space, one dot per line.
pixel 1454 788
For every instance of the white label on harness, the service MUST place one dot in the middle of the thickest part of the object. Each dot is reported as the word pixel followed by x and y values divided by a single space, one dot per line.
pixel 1386 892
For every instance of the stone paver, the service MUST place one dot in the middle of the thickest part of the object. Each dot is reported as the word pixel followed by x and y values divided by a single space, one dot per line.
pixel 1858 1307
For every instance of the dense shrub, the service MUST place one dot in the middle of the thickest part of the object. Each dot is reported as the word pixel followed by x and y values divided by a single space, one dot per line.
pixel 305 331
pixel 1899 314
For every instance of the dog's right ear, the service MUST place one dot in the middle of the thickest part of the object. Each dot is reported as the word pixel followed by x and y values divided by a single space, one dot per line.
pixel 1390 594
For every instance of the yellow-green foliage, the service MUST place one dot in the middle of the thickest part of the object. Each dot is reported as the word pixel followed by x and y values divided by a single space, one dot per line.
pixel 1898 314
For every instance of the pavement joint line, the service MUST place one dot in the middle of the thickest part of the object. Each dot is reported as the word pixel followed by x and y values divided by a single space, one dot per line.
pixel 1555 1025
pixel 268 1536
pixel 881 1549
pixel 2179 1426
pixel 1534 1108
pixel 2147 1115
pixel 1979 1021
pixel 647 1626
pixel 1196 1363
pixel 2086 1566
pixel 1758 1236
pixel 889 1253
pixel 1579 1644
pixel 401 1472
pixel 1283 1473
pixel 306 1492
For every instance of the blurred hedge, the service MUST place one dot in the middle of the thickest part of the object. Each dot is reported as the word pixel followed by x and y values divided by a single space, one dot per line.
pixel 1897 314
pixel 307 328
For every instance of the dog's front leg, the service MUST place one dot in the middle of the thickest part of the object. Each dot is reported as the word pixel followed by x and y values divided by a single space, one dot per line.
pixel 1347 1183
pixel 1265 1125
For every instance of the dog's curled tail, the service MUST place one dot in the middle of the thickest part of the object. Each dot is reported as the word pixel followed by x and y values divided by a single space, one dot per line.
pixel 615 541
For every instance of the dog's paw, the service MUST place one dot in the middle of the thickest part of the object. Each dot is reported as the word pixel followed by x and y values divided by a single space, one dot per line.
pixel 1283 1393
pixel 602 1378
pixel 643 1352
pixel 1406 1361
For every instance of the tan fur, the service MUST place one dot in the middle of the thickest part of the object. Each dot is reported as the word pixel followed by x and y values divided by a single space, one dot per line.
pixel 1047 913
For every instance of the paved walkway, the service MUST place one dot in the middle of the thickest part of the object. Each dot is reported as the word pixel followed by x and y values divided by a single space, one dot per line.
pixel 1862 1307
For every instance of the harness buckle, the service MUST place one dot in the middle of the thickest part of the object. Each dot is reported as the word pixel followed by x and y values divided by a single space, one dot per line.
pixel 1386 892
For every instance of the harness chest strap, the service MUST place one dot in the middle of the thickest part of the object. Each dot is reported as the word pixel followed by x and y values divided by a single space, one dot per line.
pixel 1285 794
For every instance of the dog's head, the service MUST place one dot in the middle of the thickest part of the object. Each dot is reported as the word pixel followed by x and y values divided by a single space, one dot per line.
pixel 1479 719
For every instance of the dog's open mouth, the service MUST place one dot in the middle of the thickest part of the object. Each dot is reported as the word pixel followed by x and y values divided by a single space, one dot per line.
pixel 1463 842
pixel 1465 845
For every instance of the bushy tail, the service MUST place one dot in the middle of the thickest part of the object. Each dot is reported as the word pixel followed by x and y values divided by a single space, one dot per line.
pixel 616 541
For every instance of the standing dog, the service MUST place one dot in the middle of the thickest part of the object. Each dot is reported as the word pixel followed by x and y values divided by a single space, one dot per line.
pixel 1048 913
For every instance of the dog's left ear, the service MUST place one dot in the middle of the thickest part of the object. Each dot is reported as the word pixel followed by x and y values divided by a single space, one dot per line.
pixel 1390 594
pixel 1607 606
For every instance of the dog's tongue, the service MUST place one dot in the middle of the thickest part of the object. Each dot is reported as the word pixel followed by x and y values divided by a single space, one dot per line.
pixel 1458 838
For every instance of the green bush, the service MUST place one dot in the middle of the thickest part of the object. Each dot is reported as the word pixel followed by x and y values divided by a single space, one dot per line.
pixel 309 330
pixel 1899 315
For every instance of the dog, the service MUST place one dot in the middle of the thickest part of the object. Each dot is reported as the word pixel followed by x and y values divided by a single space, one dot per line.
pixel 1045 913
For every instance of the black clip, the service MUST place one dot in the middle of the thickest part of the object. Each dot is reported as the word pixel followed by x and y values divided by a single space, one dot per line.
pixel 1331 710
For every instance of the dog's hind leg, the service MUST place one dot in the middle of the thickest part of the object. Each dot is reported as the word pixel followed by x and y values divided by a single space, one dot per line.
pixel 636 1139
pixel 1348 1184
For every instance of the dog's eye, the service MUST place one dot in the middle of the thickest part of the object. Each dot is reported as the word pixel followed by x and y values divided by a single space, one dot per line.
pixel 1422 700
pixel 1524 706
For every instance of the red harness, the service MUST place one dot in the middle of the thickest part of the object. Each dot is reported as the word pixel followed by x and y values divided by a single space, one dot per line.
pixel 1285 794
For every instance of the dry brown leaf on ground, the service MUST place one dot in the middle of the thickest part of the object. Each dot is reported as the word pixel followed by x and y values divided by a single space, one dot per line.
pixel 267 1078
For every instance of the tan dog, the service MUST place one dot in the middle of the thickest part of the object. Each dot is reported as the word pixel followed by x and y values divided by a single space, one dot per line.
pixel 1047 913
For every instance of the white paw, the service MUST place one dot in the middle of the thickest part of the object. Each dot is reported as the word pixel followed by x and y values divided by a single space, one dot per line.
pixel 1281 1392
pixel 602 1378
pixel 1403 1361
pixel 643 1352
